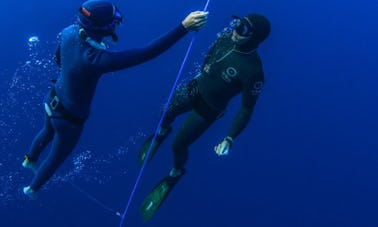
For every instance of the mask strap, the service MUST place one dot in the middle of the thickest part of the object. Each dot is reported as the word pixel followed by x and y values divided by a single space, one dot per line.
pixel 249 22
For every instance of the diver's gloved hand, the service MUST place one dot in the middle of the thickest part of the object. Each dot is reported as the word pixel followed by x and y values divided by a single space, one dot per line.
pixel 195 20
pixel 224 147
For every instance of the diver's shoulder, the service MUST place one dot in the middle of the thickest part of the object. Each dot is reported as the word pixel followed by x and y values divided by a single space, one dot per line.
pixel 255 56
pixel 71 29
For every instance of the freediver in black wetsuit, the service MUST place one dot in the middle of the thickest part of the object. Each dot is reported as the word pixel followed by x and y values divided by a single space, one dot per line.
pixel 231 67
pixel 83 58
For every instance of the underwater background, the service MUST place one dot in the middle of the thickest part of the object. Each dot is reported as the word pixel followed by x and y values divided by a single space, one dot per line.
pixel 308 157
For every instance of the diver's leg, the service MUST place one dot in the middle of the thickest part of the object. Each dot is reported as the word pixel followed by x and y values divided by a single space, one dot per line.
pixel 66 136
pixel 193 127
pixel 182 101
pixel 41 140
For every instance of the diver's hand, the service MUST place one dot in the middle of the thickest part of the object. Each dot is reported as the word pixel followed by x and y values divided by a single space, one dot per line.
pixel 224 147
pixel 195 20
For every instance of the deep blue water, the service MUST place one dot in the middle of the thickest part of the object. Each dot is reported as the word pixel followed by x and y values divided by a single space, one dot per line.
pixel 308 157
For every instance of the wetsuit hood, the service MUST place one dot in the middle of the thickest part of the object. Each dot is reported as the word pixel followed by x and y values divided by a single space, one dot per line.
pixel 260 30
pixel 98 16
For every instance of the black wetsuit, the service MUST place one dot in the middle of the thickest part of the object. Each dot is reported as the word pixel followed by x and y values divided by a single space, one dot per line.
pixel 69 102
pixel 225 73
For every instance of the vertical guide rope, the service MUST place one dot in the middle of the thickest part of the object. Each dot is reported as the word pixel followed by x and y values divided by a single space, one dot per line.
pixel 159 124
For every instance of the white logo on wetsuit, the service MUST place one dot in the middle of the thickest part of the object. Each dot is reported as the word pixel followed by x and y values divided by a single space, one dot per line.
pixel 228 74
pixel 206 68
pixel 257 87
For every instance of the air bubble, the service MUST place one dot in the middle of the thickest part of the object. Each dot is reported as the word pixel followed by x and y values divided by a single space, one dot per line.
pixel 33 41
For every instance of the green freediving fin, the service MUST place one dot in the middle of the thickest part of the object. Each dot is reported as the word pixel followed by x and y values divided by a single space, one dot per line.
pixel 157 196
pixel 142 154
pixel 143 151
pixel 153 201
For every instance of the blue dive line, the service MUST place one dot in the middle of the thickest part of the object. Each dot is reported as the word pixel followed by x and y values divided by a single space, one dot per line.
pixel 159 125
